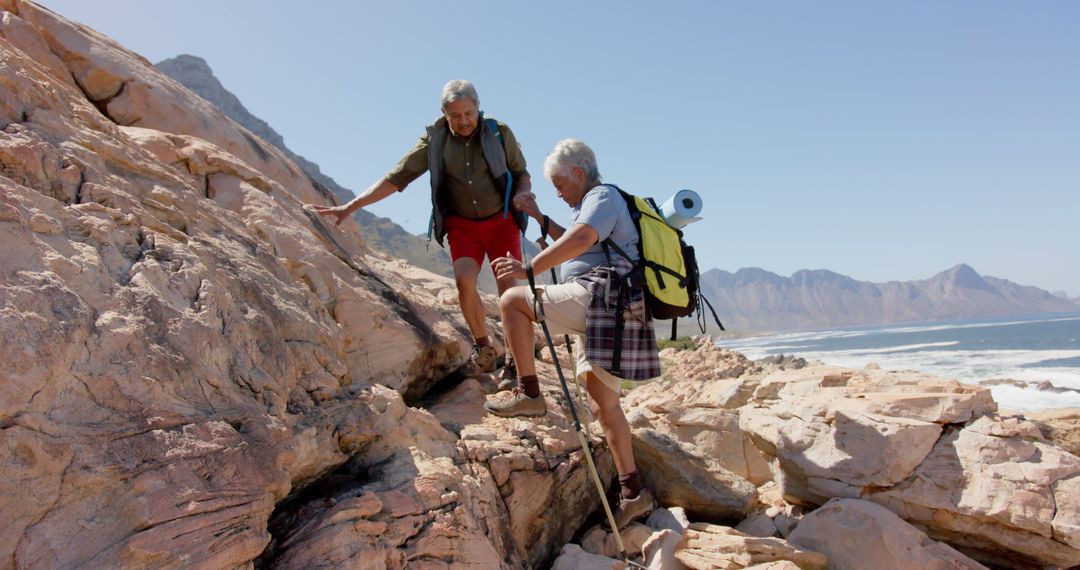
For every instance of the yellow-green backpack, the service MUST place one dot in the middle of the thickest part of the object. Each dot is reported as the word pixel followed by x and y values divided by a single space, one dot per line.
pixel 666 266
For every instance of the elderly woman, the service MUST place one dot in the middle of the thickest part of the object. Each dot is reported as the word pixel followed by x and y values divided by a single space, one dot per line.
pixel 579 306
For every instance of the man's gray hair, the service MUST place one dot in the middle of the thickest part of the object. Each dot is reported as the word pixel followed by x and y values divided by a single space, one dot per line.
pixel 568 154
pixel 459 89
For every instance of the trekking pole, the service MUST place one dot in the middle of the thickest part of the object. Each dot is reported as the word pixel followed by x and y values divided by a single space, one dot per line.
pixel 577 423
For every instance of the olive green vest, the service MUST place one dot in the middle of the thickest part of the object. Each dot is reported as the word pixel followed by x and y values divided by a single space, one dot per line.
pixel 494 154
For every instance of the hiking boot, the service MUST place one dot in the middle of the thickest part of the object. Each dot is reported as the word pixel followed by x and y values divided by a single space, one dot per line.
pixel 518 404
pixel 508 377
pixel 630 510
pixel 483 358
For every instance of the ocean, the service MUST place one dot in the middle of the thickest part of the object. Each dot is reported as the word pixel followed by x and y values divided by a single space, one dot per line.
pixel 1028 352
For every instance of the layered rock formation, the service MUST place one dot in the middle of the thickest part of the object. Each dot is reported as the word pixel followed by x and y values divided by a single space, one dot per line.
pixel 188 351
pixel 869 468
pixel 379 233
pixel 199 372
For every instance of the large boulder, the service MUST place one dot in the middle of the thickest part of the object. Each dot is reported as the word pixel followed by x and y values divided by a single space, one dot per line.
pixel 852 532
pixel 686 433
pixel 1060 426
pixel 1009 501
pixel 933 451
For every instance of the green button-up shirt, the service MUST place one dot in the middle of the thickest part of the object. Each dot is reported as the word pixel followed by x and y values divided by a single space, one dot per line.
pixel 469 189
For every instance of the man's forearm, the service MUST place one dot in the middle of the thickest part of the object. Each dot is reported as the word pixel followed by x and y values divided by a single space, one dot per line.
pixel 522 184
pixel 380 190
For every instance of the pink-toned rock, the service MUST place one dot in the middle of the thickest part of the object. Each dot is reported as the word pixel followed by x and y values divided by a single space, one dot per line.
pixel 987 489
pixel 198 371
pixel 1005 501
pixel 679 476
pixel 706 546
pixel 659 551
pixel 1061 426
pixel 701 411
pixel 854 533
pixel 574 558
pixel 777 565
pixel 599 541
pixel 706 362
pixel 825 451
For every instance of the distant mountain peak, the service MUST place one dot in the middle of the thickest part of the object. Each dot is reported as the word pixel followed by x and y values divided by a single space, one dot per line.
pixel 962 276
pixel 188 60
pixel 754 299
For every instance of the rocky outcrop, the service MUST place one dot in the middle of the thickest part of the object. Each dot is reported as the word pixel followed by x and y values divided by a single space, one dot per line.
pixel 380 233
pixel 199 372
pixel 851 532
pixel 1060 426
pixel 932 451
pixel 696 405
pixel 706 546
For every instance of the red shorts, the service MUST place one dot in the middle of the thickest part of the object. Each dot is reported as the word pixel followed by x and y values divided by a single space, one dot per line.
pixel 493 236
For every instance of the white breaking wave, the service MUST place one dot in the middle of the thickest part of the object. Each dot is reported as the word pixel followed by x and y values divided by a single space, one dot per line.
pixel 1012 398
pixel 904 347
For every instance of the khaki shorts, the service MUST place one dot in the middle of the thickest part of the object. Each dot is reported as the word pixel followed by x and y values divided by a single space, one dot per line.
pixel 564 310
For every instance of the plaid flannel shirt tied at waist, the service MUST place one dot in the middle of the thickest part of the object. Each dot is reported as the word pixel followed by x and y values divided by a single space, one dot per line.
pixel 640 359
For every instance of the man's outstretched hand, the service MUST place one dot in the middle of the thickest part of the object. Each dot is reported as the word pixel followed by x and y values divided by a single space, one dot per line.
pixel 341 213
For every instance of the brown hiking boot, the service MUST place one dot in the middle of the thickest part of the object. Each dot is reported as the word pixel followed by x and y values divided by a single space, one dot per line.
pixel 630 510
pixel 483 358
pixel 517 404
pixel 508 376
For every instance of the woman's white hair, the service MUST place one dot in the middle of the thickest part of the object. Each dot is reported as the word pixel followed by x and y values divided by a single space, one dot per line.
pixel 569 154
pixel 459 89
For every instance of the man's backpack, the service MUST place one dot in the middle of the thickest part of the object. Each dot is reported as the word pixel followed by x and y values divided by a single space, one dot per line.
pixel 666 267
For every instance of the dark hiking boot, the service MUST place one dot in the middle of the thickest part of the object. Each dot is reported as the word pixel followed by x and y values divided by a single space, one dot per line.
pixel 508 376
pixel 517 404
pixel 630 510
pixel 483 358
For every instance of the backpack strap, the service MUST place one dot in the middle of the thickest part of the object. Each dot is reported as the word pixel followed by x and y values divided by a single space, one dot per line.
pixel 493 126
pixel 701 319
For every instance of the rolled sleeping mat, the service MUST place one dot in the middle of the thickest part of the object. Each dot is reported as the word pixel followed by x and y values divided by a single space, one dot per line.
pixel 681 208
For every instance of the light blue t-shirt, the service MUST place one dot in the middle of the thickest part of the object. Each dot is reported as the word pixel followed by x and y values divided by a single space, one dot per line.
pixel 605 211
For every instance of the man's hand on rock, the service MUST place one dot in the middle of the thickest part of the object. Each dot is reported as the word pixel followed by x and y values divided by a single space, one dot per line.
pixel 342 213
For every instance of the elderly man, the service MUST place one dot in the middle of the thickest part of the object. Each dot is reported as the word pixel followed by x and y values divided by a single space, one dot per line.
pixel 583 305
pixel 476 167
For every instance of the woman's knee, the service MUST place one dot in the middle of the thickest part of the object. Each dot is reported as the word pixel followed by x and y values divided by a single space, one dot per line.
pixel 514 299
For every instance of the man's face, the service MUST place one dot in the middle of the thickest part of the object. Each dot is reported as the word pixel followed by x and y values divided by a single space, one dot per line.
pixel 570 186
pixel 462 115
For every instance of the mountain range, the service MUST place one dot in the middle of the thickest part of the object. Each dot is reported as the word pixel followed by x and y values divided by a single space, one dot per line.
pixel 751 299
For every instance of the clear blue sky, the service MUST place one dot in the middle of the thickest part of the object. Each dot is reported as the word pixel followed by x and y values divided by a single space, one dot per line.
pixel 882 140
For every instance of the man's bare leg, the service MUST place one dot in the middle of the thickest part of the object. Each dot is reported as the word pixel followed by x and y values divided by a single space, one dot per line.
pixel 466 272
